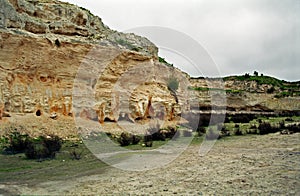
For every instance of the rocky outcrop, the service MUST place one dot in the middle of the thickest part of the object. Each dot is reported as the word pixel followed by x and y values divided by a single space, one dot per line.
pixel 46 45
pixel 59 59
pixel 244 95
pixel 62 21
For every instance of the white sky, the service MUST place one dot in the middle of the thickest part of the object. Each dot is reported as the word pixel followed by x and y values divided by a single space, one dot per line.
pixel 240 35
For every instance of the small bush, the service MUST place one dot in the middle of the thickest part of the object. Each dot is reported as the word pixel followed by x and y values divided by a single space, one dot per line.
pixel 16 143
pixel 127 139
pixel 43 147
pixel 172 132
pixel 148 141
pixel 224 132
pixel 135 139
pixel 157 134
pixel 238 132
pixel 39 148
pixel 36 150
pixel 266 128
pixel 294 128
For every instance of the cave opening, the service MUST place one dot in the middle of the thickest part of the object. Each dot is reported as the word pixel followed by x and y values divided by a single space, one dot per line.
pixel 106 119
pixel 38 113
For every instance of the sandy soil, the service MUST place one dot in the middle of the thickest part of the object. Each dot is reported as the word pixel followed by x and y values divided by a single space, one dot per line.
pixel 252 164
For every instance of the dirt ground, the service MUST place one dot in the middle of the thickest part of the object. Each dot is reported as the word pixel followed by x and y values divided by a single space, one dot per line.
pixel 239 165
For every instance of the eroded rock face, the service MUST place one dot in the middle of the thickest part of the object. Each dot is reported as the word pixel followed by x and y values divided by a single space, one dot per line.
pixel 58 58
pixel 240 96
pixel 127 85
pixel 59 20
pixel 46 45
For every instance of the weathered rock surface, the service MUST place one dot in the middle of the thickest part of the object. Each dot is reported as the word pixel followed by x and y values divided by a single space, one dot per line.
pixel 45 44
pixel 243 95
pixel 58 58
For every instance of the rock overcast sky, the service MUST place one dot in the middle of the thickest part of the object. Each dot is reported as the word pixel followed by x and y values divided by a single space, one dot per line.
pixel 240 35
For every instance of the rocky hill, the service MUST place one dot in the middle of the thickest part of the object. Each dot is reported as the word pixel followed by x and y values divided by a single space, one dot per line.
pixel 59 58
pixel 249 93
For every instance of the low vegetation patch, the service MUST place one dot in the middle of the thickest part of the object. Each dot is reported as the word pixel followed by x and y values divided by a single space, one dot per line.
pixel 16 141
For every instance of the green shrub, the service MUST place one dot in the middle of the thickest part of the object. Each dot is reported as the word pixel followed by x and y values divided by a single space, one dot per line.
pixel 162 60
pixel 43 147
pixel 154 133
pixel 224 132
pixel 37 150
pixel 266 128
pixel 172 132
pixel 237 130
pixel 127 139
pixel 148 141
pixel 135 139
pixel 294 128
pixel 15 143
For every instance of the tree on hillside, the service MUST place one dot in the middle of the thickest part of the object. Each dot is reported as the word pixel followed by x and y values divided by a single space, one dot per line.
pixel 255 73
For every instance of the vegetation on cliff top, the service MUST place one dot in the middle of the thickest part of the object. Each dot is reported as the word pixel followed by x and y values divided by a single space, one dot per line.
pixel 282 88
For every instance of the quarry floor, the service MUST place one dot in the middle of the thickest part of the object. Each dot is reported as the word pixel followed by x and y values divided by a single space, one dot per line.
pixel 237 165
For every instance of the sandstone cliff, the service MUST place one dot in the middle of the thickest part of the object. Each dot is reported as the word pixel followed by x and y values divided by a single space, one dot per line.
pixel 59 58
pixel 45 44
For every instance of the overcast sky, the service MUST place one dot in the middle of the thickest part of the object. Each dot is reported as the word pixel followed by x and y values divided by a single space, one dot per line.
pixel 240 35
